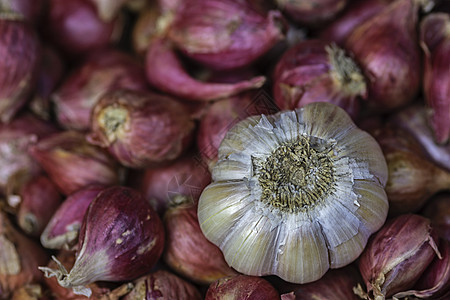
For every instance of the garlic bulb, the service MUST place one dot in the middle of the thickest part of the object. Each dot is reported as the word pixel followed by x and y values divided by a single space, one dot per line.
pixel 295 193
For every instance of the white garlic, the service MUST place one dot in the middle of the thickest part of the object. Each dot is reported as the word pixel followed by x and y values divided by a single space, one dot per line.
pixel 295 193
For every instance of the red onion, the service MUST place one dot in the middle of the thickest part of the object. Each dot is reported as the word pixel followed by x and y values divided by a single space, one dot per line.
pixel 165 72
pixel 19 259
pixel 20 52
pixel 336 284
pixel 121 238
pixel 435 42
pixel 40 199
pixel 183 176
pixel 241 287
pixel 312 12
pixel 435 282
pixel 51 71
pixel 16 165
pixel 187 251
pixel 63 227
pixel 222 115
pixel 75 27
pixel 72 163
pixel 108 9
pixel 100 72
pixel 163 285
pixel 29 9
pixel 438 211
pixel 355 13
pixel 386 48
pixel 224 34
pixel 397 255
pixel 414 120
pixel 315 71
pixel 413 178
pixel 140 128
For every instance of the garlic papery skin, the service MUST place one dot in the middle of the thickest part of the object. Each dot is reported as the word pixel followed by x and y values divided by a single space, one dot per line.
pixel 295 193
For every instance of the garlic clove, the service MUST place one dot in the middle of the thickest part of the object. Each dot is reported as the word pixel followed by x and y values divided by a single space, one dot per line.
pixel 243 247
pixel 232 142
pixel 236 167
pixel 344 242
pixel 228 210
pixel 373 206
pixel 302 253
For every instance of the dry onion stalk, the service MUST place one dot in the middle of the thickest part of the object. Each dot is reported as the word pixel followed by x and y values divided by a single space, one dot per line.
pixel 19 258
pixel 295 193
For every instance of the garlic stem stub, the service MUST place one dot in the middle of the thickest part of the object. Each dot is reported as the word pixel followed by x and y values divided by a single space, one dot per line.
pixel 295 193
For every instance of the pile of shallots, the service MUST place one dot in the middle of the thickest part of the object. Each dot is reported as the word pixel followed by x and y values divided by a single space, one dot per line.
pixel 112 113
